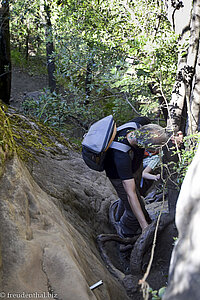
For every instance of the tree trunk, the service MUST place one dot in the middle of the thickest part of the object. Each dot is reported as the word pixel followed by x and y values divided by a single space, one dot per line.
pixel 5 60
pixel 184 105
pixel 50 50
pixel 186 87
pixel 46 16
pixel 88 80
pixel 195 99
pixel 162 103
pixel 195 50
pixel 27 44
pixel 192 58
pixel 169 160
pixel 177 12
pixel 185 102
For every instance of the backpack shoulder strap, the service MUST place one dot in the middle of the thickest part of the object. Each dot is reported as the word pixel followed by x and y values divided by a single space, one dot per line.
pixel 120 146
pixel 133 125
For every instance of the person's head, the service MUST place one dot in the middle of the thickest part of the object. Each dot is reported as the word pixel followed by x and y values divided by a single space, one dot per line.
pixel 151 136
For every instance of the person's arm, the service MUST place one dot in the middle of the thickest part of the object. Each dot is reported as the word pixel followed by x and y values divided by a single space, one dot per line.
pixel 130 188
pixel 147 174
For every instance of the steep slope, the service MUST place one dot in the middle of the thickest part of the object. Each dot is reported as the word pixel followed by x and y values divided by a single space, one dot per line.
pixel 50 213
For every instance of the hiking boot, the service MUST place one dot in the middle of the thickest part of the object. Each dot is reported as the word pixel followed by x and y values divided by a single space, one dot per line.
pixel 117 225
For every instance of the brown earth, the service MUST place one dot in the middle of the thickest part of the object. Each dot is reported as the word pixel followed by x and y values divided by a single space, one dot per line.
pixel 23 83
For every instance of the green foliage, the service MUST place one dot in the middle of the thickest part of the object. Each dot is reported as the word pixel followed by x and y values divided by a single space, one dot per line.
pixel 26 26
pixel 127 54
pixel 17 58
pixel 56 111
pixel 106 53
pixel 190 144
pixel 34 66
pixel 49 108
pixel 7 143
pixel 157 295
pixel 175 239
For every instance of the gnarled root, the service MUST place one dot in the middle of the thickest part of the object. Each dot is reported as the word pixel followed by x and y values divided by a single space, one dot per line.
pixel 101 240
pixel 140 246
pixel 145 240
pixel 112 209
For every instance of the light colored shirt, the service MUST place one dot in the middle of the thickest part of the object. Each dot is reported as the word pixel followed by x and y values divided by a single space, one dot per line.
pixel 151 161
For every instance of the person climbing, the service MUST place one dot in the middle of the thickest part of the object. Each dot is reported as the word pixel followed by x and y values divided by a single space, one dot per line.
pixel 124 171
pixel 150 162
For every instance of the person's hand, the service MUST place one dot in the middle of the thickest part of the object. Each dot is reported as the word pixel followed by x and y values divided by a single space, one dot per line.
pixel 157 177
pixel 178 138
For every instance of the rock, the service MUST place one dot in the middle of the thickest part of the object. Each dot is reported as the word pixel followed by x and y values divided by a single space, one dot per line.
pixel 44 247
pixel 79 189
pixel 184 275
pixel 35 96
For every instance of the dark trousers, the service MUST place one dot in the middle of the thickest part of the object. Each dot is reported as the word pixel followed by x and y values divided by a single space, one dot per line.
pixel 124 214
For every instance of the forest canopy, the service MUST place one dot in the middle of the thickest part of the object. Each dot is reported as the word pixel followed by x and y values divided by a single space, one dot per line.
pixel 114 57
pixel 120 57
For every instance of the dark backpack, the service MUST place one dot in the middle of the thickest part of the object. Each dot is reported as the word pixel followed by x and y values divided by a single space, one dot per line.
pixel 99 138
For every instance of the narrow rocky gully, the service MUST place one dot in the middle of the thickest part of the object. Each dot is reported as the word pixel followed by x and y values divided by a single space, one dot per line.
pixel 58 234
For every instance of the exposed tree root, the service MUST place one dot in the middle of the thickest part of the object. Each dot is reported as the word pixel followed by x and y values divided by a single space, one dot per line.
pixel 153 197
pixel 101 240
pixel 140 244
pixel 125 248
pixel 112 209
pixel 114 237
pixel 144 242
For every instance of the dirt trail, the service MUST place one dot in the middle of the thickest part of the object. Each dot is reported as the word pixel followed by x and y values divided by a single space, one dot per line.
pixel 23 83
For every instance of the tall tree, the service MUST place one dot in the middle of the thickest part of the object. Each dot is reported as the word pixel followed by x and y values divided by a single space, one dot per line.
pixel 46 16
pixel 5 60
pixel 183 109
pixel 185 19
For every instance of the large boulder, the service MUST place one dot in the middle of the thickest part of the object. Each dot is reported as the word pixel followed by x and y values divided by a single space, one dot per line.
pixel 184 275
pixel 52 208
